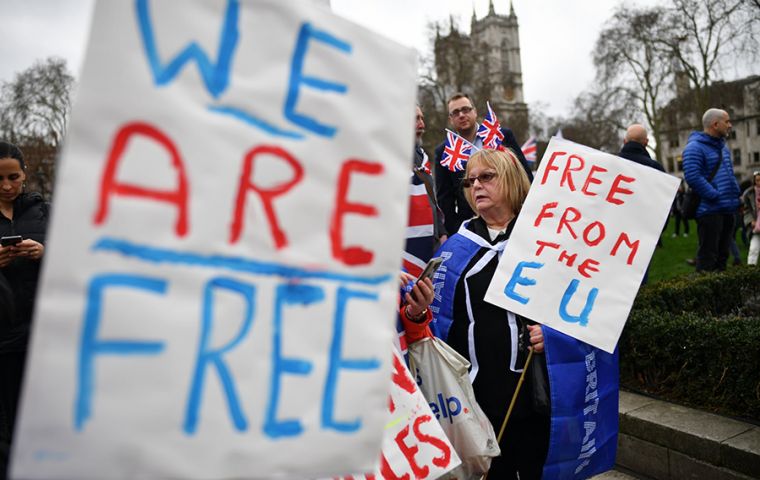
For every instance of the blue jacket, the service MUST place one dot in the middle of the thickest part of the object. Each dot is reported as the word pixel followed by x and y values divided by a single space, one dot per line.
pixel 721 195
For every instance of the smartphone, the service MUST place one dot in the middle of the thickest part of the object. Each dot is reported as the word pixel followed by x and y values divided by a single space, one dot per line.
pixel 10 240
pixel 430 268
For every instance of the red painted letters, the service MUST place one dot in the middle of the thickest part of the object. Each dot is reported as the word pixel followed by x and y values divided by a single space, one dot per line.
pixel 109 185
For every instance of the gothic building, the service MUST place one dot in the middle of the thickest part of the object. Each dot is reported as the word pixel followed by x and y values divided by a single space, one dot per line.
pixel 486 64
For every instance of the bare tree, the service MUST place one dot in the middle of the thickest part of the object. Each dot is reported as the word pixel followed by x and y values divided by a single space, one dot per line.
pixel 34 111
pixel 704 35
pixel 630 62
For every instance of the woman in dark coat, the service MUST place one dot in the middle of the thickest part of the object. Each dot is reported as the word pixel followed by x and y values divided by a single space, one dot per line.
pixel 21 214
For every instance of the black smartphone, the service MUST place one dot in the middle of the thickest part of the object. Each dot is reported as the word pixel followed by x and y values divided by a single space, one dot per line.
pixel 430 268
pixel 10 240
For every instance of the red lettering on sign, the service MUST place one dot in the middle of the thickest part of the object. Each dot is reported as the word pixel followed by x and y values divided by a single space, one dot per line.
pixel 591 179
pixel 409 452
pixel 441 461
pixel 551 166
pixel 387 472
pixel 566 176
pixel 588 265
pixel 542 244
pixel 545 213
pixel 400 377
pixel 599 227
pixel 634 246
pixel 267 195
pixel 567 258
pixel 109 185
pixel 351 255
pixel 565 220
pixel 616 188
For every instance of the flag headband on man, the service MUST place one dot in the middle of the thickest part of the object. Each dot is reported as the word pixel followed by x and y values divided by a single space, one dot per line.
pixel 456 152
pixel 490 130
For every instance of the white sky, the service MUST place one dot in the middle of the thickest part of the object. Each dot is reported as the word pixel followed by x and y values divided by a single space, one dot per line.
pixel 556 36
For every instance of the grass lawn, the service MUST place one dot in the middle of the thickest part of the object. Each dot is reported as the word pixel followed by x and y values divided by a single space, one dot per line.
pixel 669 260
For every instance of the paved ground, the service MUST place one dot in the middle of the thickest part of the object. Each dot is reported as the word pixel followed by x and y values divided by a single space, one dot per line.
pixel 614 475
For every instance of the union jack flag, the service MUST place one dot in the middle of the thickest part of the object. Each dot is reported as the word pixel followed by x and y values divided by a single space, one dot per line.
pixel 456 152
pixel 490 130
pixel 529 150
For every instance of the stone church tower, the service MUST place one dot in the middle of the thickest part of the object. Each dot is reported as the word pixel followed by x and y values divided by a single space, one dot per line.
pixel 487 65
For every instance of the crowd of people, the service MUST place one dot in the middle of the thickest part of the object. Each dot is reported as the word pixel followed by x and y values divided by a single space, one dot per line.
pixel 479 206
pixel 471 213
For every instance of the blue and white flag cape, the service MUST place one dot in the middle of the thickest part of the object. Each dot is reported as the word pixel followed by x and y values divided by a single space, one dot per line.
pixel 583 380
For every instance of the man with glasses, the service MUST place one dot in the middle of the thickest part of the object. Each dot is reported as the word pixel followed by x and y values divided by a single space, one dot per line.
pixel 451 199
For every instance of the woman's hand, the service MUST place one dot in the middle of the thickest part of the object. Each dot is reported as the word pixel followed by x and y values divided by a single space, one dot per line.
pixel 28 248
pixel 404 279
pixel 420 298
pixel 536 338
pixel 6 256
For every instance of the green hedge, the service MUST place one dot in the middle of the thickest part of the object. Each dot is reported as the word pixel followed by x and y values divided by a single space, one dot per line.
pixel 696 340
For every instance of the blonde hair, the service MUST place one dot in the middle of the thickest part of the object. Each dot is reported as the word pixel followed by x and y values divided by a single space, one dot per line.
pixel 510 175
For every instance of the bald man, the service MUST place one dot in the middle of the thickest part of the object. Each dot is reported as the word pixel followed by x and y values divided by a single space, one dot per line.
pixel 635 150
pixel 635 147
pixel 709 171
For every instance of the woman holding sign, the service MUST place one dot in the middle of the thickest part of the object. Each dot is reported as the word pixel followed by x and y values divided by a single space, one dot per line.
pixel 23 222
pixel 492 339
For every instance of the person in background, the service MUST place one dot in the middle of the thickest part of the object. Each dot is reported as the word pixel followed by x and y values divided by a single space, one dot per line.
pixel 426 231
pixel 635 149
pixel 751 200
pixel 677 209
pixel 21 214
pixel 705 152
pixel 451 197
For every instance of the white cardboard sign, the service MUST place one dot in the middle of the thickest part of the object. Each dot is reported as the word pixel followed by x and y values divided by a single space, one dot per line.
pixel 220 283
pixel 414 444
pixel 582 242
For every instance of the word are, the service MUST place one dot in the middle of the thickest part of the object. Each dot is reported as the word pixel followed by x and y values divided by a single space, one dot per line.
pixel 179 197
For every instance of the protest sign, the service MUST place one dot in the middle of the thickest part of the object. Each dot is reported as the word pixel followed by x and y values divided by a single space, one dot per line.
pixel 582 242
pixel 414 444
pixel 220 286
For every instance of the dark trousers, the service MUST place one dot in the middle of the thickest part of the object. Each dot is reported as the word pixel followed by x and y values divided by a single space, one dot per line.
pixel 523 449
pixel 679 220
pixel 11 373
pixel 714 238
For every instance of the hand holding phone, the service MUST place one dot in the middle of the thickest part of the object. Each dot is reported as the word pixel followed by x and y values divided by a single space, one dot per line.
pixel 10 240
pixel 430 269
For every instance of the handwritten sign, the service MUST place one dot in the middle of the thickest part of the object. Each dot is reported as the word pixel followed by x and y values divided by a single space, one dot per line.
pixel 220 286
pixel 414 444
pixel 582 242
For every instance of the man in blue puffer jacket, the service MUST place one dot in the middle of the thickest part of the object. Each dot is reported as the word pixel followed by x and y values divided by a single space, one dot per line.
pixel 720 196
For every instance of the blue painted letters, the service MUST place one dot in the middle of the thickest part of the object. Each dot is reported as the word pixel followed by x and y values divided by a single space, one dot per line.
pixel 91 346
pixel 207 357
pixel 517 279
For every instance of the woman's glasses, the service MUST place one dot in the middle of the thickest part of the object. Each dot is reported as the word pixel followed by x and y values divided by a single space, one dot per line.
pixel 483 178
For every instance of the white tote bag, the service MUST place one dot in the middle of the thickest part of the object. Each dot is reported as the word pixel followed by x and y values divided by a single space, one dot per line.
pixel 442 377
